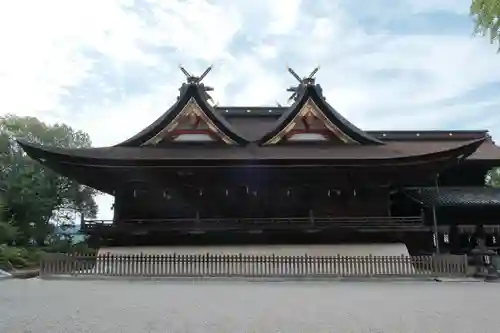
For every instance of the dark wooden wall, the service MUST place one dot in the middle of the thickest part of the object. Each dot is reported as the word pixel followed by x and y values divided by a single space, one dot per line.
pixel 247 201
pixel 463 175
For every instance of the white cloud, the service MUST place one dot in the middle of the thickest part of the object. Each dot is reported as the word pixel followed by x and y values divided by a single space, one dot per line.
pixel 196 29
pixel 454 6
pixel 109 67
pixel 284 16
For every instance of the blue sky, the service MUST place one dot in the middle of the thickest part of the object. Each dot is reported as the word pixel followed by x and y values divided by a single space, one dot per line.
pixel 110 67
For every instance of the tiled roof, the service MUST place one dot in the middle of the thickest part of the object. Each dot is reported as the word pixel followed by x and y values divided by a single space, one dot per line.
pixel 456 196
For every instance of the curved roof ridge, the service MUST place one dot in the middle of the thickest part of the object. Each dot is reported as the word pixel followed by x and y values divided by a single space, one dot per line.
pixel 313 93
pixel 188 92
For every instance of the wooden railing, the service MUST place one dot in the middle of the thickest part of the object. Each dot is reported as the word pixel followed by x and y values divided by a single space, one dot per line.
pixel 183 224
pixel 242 265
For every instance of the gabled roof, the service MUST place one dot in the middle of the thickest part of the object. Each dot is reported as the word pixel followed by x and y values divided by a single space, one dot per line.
pixel 249 136
pixel 310 100
pixel 192 99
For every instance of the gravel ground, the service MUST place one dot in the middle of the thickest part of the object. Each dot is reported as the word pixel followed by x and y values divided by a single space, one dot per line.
pixel 4 274
pixel 215 306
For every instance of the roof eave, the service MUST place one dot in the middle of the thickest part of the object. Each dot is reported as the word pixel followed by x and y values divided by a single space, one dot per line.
pixel 96 157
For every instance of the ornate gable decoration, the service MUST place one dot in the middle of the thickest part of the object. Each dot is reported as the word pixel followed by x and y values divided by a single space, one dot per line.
pixel 190 125
pixel 311 125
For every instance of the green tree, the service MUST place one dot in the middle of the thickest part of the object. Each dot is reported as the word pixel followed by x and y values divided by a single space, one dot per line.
pixel 36 198
pixel 8 233
pixel 486 15
pixel 493 177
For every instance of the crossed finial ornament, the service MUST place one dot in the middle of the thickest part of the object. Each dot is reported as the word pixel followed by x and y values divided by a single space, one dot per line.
pixel 192 79
pixel 307 80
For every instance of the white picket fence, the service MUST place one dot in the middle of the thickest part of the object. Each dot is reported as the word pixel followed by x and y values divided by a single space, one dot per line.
pixel 243 265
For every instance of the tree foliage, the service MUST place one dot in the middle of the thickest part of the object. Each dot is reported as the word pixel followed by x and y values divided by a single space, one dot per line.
pixel 8 232
pixel 33 195
pixel 493 177
pixel 486 15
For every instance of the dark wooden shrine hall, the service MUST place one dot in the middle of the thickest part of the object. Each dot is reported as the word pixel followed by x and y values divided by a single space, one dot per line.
pixel 276 174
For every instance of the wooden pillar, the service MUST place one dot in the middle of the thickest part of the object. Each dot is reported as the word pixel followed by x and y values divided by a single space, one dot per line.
pixel 311 217
pixel 454 239
pixel 479 234
pixel 117 214
pixel 82 218
pixel 198 204
pixel 469 241
pixel 435 230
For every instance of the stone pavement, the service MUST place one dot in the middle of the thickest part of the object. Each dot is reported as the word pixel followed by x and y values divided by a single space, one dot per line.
pixel 40 306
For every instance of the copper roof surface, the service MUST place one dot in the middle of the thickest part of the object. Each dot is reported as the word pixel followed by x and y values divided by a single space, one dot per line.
pixel 392 150
pixel 456 196
pixel 256 121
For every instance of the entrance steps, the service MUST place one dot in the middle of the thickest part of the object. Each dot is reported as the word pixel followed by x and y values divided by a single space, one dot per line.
pixel 351 250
